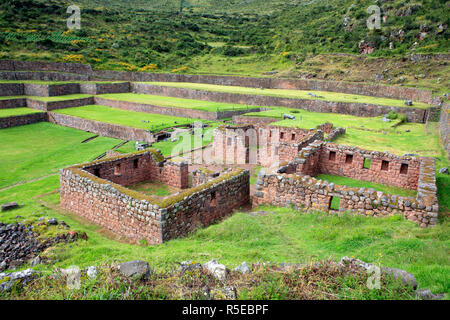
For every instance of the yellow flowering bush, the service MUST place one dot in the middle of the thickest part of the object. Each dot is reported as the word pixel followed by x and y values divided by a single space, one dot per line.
pixel 74 58
pixel 149 67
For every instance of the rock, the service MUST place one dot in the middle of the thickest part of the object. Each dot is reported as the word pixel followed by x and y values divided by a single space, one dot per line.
pixel 218 270
pixel 52 222
pixel 386 120
pixel 9 206
pixel 406 277
pixel 137 268
pixel 230 292
pixel 444 170
pixel 425 294
pixel 35 261
pixel 3 266
pixel 243 268
pixel 190 266
pixel 91 272
pixel 408 102
pixel 7 280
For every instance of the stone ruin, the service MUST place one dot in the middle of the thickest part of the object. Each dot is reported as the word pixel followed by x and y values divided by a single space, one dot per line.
pixel 97 191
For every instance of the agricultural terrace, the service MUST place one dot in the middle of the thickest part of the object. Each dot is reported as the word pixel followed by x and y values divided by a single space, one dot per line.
pixel 296 94
pixel 174 102
pixel 156 122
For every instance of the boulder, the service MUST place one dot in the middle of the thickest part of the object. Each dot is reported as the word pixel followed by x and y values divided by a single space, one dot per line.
pixel 52 222
pixel 406 277
pixel 9 206
pixel 425 294
pixel 408 102
pixel 219 271
pixel 190 266
pixel 35 261
pixel 91 272
pixel 137 268
pixel 243 268
pixel 7 280
pixel 443 170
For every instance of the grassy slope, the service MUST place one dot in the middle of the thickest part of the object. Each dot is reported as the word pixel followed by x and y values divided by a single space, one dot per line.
pixel 173 102
pixel 16 112
pixel 36 150
pixel 364 184
pixel 126 118
pixel 297 94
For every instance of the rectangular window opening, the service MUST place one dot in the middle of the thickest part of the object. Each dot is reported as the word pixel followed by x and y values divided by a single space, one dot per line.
pixel 117 169
pixel 385 165
pixel 136 163
pixel 97 172
pixel 282 135
pixel 348 158
pixel 293 136
pixel 404 168
pixel 332 156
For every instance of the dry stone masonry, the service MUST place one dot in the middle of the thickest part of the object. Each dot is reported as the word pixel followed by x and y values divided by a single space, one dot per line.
pixel 294 184
pixel 97 191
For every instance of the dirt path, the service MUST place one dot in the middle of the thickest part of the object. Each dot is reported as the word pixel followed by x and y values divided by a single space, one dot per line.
pixel 28 181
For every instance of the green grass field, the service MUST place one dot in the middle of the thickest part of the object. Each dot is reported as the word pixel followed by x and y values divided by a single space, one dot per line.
pixel 12 97
pixel 127 118
pixel 33 151
pixel 297 94
pixel 344 181
pixel 175 102
pixel 16 112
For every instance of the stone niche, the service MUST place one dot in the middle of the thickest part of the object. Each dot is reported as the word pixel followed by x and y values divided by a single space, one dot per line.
pixel 97 191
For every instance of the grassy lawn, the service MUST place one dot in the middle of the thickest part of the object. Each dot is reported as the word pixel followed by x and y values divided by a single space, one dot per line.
pixel 175 102
pixel 36 150
pixel 127 118
pixel 62 98
pixel 344 181
pixel 16 112
pixel 154 188
pixel 297 94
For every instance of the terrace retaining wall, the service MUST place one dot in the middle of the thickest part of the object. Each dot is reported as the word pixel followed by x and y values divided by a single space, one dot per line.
pixel 254 120
pixel 104 88
pixel 444 126
pixel 101 128
pixel 11 89
pixel 55 105
pixel 170 111
pixel 21 120
pixel 13 103
pixel 45 90
pixel 75 71
pixel 356 109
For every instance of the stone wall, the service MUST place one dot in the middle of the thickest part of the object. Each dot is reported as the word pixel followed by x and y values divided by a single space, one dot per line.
pixel 170 111
pixel 356 109
pixel 137 216
pixel 103 129
pixel 75 71
pixel 13 65
pixel 444 126
pixel 335 133
pixel 13 103
pixel 56 105
pixel 43 76
pixel 254 120
pixel 384 168
pixel 282 188
pixel 104 88
pixel 11 89
pixel 15 121
pixel 45 90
